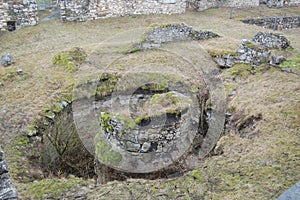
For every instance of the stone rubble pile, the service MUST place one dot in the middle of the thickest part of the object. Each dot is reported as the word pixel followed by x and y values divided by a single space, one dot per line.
pixel 271 40
pixel 7 189
pixel 276 23
pixel 255 52
pixel 172 33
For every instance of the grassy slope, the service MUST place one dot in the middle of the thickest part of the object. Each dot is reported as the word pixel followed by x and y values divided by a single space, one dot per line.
pixel 261 167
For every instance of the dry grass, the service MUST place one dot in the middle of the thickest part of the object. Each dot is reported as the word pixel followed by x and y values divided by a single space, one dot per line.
pixel 260 167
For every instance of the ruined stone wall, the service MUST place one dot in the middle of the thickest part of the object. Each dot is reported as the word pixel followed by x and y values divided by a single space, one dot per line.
pixel 280 3
pixel 86 10
pixel 3 16
pixel 275 23
pixel 14 14
pixel 205 4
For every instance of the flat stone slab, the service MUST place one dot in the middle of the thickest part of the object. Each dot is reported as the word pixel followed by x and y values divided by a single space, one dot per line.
pixel 291 194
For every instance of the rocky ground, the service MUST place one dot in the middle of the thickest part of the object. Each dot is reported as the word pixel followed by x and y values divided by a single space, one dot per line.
pixel 258 157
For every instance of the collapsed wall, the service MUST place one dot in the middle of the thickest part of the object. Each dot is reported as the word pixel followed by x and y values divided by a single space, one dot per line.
pixel 201 5
pixel 15 14
pixel 275 23
pixel 75 10
pixel 279 3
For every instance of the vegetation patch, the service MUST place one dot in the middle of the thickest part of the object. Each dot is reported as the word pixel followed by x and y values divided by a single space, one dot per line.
pixel 12 74
pixel 218 52
pixel 54 187
pixel 70 60
pixel 240 70
pixel 105 153
pixel 292 64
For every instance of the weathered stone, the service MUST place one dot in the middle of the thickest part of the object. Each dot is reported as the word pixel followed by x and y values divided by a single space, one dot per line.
pixel 276 23
pixel 146 147
pixel 15 14
pixel 203 5
pixel 291 194
pixel 132 147
pixel 271 40
pixel 7 189
pixel 90 10
pixel 257 52
pixel 7 60
pixel 170 33
pixel 276 60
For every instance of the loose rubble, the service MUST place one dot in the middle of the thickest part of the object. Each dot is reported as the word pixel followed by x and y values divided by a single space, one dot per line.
pixel 255 52
pixel 171 33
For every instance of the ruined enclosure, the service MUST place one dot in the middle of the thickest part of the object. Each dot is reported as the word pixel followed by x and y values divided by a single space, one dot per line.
pixel 152 121
pixel 146 131
pixel 144 128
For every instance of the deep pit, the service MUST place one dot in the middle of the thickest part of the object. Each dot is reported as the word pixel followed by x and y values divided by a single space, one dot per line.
pixel 145 115
pixel 121 130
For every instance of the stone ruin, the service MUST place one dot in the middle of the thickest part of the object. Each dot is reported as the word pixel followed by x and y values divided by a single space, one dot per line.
pixel 278 3
pixel 201 5
pixel 276 23
pixel 255 52
pixel 138 124
pixel 160 34
pixel 74 10
pixel 15 14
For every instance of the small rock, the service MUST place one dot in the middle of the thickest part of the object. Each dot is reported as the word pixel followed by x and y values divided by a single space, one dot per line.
pixel 228 114
pixel 32 133
pixel 19 70
pixel 7 60
pixel 220 62
pixel 231 93
pixel 244 41
pixel 133 147
pixel 146 146
pixel 276 60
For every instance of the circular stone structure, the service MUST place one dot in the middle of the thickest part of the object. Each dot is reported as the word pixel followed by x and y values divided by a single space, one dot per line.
pixel 147 124
pixel 144 114
pixel 145 121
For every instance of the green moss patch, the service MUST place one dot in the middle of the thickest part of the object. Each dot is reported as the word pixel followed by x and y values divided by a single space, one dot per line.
pixel 240 70
pixel 217 53
pixel 11 74
pixel 54 187
pixel 292 64
pixel 70 60
pixel 105 153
